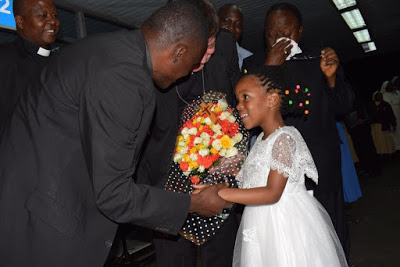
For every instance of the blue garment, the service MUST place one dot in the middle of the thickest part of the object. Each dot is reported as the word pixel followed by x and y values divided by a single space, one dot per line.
pixel 242 54
pixel 351 186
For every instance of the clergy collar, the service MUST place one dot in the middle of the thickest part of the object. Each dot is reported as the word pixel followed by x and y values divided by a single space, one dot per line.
pixel 34 49
pixel 43 52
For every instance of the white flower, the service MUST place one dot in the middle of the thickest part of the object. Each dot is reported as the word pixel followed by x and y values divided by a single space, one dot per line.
pixel 222 153
pixel 231 119
pixel 205 135
pixel 207 121
pixel 223 116
pixel 177 158
pixel 201 168
pixel 183 150
pixel 223 104
pixel 206 141
pixel 198 140
pixel 237 138
pixel 187 173
pixel 233 143
pixel 182 143
pixel 216 128
pixel 231 152
pixel 216 144
pixel 204 152
pixel 193 131
pixel 193 156
pixel 185 131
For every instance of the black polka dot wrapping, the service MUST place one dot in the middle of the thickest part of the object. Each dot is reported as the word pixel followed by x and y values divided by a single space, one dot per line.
pixel 199 229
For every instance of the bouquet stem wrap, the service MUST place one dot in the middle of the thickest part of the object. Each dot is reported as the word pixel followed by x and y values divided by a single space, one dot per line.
pixel 210 148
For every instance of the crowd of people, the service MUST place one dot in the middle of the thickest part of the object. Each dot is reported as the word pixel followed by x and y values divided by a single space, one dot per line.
pixel 88 138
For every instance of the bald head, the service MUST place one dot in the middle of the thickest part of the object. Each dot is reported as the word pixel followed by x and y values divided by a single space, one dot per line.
pixel 176 21
pixel 209 12
pixel 36 21
pixel 176 36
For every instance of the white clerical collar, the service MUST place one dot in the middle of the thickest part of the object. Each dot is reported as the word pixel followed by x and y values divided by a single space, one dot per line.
pixel 43 52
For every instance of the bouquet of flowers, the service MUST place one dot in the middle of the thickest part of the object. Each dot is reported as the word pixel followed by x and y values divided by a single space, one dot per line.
pixel 210 148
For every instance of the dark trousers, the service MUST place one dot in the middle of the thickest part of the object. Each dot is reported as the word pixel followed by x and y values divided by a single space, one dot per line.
pixel 333 202
pixel 176 251
pixel 365 148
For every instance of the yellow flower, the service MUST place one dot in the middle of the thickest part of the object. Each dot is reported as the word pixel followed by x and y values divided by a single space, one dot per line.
pixel 179 139
pixel 200 146
pixel 217 109
pixel 186 158
pixel 213 151
pixel 193 164
pixel 193 150
pixel 178 148
pixel 225 141
pixel 201 126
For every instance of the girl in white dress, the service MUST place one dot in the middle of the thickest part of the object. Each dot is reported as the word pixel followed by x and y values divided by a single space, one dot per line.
pixel 282 224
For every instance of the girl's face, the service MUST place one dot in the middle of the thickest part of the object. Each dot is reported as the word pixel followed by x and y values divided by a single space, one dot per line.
pixel 252 101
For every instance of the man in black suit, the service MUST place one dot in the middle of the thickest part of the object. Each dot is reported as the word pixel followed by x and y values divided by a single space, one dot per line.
pixel 23 59
pixel 218 72
pixel 331 96
pixel 68 153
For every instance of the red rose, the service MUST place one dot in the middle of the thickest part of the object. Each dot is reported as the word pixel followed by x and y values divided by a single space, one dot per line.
pixel 214 157
pixel 195 179
pixel 184 166
pixel 191 141
pixel 208 162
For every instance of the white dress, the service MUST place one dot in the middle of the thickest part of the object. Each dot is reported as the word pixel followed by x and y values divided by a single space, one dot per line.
pixel 393 98
pixel 295 231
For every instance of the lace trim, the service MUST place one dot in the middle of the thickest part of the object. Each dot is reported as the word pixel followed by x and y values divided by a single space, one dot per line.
pixel 284 151
pixel 250 235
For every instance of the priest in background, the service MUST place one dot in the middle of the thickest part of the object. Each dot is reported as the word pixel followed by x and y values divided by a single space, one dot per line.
pixel 23 59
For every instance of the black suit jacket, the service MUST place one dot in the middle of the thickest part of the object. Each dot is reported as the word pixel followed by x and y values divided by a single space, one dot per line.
pixel 221 74
pixel 319 128
pixel 68 153
pixel 20 67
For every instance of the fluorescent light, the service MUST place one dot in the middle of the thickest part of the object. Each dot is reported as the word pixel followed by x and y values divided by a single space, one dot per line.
pixel 362 36
pixel 368 47
pixel 354 19
pixel 342 4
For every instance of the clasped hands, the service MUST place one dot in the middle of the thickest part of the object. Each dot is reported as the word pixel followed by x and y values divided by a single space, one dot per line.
pixel 205 200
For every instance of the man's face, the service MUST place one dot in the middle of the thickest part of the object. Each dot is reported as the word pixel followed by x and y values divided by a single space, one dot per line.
pixel 232 20
pixel 282 23
pixel 38 22
pixel 178 65
pixel 209 52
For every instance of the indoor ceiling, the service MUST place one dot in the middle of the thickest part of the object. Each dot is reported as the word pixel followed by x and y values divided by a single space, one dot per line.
pixel 323 24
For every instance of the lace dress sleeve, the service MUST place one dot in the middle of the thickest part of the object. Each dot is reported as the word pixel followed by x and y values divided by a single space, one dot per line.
pixel 282 155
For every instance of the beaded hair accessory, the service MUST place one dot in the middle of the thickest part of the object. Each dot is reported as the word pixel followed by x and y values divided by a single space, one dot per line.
pixel 302 103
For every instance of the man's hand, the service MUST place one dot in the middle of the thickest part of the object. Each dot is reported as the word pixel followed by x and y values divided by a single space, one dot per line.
pixel 329 64
pixel 207 202
pixel 278 53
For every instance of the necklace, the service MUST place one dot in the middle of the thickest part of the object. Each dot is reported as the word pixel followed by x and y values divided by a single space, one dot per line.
pixel 180 97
